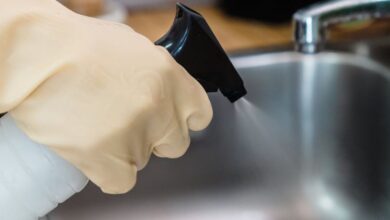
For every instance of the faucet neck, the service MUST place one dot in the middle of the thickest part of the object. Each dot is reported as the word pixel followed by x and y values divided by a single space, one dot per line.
pixel 310 24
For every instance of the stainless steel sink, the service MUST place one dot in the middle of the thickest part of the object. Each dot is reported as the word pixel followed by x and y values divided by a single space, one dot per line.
pixel 311 141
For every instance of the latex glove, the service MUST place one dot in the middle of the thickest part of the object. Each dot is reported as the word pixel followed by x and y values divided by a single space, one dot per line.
pixel 99 94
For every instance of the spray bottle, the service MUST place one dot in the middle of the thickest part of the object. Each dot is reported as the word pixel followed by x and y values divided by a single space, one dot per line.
pixel 34 180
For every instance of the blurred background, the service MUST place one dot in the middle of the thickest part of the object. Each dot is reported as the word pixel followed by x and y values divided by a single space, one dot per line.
pixel 239 25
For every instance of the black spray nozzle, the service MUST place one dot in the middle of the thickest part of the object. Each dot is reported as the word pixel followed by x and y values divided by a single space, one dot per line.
pixel 193 45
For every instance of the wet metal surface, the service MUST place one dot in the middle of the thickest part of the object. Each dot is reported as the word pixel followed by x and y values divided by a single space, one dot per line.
pixel 310 142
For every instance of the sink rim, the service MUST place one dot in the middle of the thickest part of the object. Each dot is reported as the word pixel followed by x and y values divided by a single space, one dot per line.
pixel 334 58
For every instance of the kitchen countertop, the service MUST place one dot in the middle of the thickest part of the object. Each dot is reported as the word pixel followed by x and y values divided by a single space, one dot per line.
pixel 241 34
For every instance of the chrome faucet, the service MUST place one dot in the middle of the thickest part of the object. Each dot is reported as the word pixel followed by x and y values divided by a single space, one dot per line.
pixel 310 24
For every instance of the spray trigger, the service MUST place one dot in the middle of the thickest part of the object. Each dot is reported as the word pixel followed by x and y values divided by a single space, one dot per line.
pixel 194 46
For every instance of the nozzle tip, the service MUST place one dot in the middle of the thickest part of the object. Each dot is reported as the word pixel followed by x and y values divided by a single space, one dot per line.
pixel 236 94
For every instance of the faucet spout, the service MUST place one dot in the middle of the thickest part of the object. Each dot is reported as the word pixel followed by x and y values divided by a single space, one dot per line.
pixel 310 24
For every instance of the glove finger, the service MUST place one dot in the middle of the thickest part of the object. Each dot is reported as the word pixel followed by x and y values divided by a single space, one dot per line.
pixel 174 144
pixel 192 100
pixel 198 111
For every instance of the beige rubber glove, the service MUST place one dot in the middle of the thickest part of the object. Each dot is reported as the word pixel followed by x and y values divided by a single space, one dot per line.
pixel 99 94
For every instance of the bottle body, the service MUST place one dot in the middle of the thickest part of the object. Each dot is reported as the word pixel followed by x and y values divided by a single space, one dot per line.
pixel 33 179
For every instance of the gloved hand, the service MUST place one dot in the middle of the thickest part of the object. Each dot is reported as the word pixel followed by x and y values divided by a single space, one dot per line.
pixel 100 95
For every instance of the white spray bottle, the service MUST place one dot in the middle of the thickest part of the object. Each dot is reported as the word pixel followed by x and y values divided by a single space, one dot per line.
pixel 33 179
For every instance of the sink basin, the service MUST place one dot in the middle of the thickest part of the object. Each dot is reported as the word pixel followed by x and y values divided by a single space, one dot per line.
pixel 311 140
